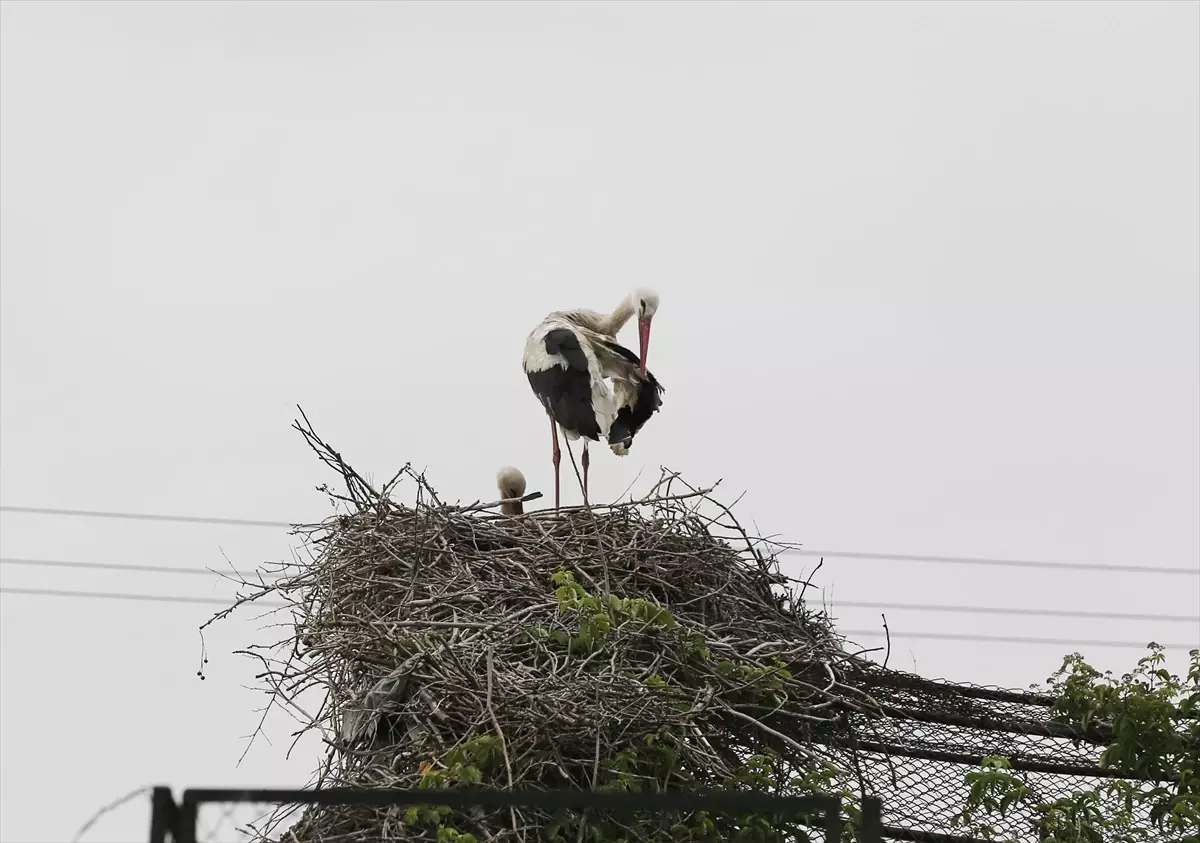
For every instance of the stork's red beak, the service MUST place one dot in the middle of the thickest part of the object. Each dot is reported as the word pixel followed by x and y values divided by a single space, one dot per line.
pixel 643 340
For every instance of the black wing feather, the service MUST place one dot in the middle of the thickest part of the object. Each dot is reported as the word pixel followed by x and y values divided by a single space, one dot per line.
pixel 567 393
pixel 631 419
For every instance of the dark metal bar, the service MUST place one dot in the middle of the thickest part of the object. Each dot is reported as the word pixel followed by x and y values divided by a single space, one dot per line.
pixel 727 802
pixel 164 815
pixel 872 820
pixel 1099 734
pixel 1094 772
pixel 914 836
pixel 716 801
pixel 912 682
pixel 188 815
pixel 834 822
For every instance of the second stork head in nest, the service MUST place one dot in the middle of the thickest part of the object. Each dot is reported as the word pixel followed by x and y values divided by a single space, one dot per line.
pixel 511 483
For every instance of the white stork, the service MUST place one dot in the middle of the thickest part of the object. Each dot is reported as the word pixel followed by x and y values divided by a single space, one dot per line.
pixel 511 483
pixel 567 359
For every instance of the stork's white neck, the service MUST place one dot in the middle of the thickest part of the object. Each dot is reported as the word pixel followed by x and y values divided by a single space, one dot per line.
pixel 612 323
pixel 615 321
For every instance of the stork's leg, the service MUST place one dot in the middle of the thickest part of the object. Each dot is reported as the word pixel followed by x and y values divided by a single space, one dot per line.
pixel 557 458
pixel 586 461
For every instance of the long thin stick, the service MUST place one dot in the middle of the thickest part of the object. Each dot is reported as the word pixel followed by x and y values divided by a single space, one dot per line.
pixel 499 732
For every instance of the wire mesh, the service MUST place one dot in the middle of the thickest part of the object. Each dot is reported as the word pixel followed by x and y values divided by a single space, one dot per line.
pixel 917 758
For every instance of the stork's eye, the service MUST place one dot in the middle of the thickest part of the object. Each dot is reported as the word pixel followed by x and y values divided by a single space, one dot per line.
pixel 642 305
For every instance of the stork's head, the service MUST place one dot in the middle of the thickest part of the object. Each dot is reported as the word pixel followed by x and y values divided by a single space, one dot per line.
pixel 511 482
pixel 645 305
pixel 512 485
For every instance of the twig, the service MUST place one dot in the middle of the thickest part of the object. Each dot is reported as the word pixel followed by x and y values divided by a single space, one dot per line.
pixel 887 633
pixel 108 809
pixel 491 672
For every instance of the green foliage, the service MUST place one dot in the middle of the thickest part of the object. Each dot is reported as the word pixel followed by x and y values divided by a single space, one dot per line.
pixel 1154 716
pixel 695 648
pixel 751 683
pixel 595 619
pixel 587 626
pixel 590 623
pixel 599 617
pixel 1151 723
pixel 1079 818
pixel 992 790
pixel 652 763
pixel 468 764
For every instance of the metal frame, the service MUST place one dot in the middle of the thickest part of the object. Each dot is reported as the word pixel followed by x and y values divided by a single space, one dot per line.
pixel 177 821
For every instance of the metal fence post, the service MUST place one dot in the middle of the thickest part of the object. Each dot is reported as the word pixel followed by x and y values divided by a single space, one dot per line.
pixel 164 815
pixel 872 820
pixel 833 820
pixel 188 819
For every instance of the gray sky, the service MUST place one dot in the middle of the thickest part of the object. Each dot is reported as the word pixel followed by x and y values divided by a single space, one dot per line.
pixel 929 277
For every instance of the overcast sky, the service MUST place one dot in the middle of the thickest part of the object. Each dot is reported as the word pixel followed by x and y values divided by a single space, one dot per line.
pixel 930 280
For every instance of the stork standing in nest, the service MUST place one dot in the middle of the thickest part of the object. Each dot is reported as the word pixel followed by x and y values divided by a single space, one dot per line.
pixel 569 359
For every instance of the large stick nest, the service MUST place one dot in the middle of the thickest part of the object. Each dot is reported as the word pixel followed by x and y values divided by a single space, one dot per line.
pixel 646 645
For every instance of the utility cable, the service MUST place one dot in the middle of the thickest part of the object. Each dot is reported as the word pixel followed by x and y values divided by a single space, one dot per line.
pixel 830 554
pixel 1010 563
pixel 900 635
pixel 850 604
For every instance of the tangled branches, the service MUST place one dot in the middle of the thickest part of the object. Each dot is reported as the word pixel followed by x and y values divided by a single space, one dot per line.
pixel 648 645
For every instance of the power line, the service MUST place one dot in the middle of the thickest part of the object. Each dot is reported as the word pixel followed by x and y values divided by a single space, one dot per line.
pixel 999 610
pixel 147 598
pixel 832 554
pixel 973 560
pixel 111 566
pixel 937 636
pixel 1006 639
pixel 920 607
pixel 141 516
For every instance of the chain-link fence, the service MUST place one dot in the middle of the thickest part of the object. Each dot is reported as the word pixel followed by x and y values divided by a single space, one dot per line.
pixel 933 733
pixel 909 767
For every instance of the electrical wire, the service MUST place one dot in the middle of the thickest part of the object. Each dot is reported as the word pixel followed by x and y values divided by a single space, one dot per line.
pixel 141 516
pixel 1006 639
pixel 896 635
pixel 850 604
pixel 142 598
pixel 1001 610
pixel 1010 563
pixel 114 566
pixel 830 554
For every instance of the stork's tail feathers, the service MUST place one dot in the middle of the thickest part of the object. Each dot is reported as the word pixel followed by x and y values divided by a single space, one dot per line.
pixel 635 411
pixel 620 437
pixel 511 483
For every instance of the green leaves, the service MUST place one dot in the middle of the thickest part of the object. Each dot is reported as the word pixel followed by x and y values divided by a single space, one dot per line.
pixel 992 789
pixel 599 617
pixel 1154 721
